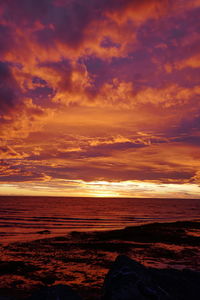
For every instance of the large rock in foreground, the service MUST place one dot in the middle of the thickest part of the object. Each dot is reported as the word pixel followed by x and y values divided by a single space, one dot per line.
pixel 129 280
pixel 57 292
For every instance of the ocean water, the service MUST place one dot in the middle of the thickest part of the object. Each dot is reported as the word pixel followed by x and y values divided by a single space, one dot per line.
pixel 25 218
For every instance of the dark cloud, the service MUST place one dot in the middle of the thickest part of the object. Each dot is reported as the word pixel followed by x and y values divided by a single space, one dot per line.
pixel 9 89
pixel 16 171
pixel 40 92
pixel 186 128
pixel 120 146
pixel 90 172
pixel 67 21
pixel 6 38
pixel 27 12
pixel 190 140
pixel 63 72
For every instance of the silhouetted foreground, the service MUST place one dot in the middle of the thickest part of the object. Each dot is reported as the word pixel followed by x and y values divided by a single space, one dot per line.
pixel 81 263
pixel 130 280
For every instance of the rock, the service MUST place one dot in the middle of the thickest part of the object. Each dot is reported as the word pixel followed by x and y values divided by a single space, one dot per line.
pixel 44 231
pixel 16 267
pixel 48 279
pixel 182 285
pixel 129 280
pixel 57 292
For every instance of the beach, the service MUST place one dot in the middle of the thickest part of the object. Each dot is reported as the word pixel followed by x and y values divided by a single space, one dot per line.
pixel 82 259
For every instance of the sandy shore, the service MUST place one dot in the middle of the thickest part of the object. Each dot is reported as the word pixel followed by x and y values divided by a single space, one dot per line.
pixel 82 259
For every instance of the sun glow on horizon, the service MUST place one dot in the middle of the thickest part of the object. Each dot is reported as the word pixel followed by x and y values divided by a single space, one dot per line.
pixel 80 188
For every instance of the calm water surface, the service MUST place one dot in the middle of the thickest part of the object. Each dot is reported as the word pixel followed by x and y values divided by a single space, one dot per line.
pixel 22 218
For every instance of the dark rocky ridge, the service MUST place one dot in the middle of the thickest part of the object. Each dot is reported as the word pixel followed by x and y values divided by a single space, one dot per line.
pixel 168 233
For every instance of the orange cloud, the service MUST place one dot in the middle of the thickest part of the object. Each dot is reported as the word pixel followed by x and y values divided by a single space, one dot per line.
pixel 172 95
pixel 192 62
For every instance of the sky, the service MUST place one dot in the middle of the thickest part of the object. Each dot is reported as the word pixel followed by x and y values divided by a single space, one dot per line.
pixel 100 98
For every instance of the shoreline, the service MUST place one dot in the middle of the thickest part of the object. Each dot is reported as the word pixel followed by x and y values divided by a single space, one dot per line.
pixel 48 234
pixel 81 259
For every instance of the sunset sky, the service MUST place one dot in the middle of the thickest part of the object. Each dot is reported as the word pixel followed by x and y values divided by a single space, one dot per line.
pixel 100 98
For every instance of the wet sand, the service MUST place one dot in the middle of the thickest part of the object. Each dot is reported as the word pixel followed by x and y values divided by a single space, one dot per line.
pixel 81 259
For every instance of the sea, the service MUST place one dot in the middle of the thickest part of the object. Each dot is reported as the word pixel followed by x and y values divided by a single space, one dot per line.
pixel 30 218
